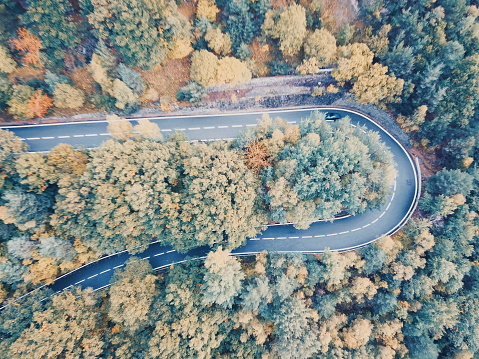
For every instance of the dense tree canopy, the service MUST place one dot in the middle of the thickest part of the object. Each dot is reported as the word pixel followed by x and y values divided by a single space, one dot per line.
pixel 317 170
pixel 51 21
pixel 139 30
pixel 194 195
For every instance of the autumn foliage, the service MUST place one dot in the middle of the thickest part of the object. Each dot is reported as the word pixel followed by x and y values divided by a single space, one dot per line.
pixel 39 105
pixel 257 156
pixel 29 47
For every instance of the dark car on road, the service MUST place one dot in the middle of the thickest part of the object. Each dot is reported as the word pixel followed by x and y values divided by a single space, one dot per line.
pixel 332 116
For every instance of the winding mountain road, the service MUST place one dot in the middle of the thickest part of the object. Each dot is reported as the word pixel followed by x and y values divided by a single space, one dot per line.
pixel 340 235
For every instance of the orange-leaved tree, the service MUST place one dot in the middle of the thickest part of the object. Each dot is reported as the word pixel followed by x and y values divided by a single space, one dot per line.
pixel 29 47
pixel 39 104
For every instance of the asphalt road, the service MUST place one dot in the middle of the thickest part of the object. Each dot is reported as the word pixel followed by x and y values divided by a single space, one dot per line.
pixel 340 235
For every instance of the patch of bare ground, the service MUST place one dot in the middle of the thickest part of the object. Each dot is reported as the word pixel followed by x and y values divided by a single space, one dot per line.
pixel 188 9
pixel 226 95
pixel 82 79
pixel 261 55
pixel 427 161
pixel 166 79
pixel 278 4
pixel 337 13
pixel 26 73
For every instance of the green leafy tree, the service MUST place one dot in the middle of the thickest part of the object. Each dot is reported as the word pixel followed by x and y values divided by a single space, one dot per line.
pixel 21 247
pixel 17 318
pixel 326 171
pixel 67 327
pixel 296 334
pixel 239 20
pixel 51 22
pixel 223 278
pixel 25 210
pixel 217 199
pixel 58 248
pixel 123 94
pixel 140 30
pixel 184 329
pixel 34 171
pixel 110 206
pixel 131 78
pixel 450 182
pixel 10 146
pixel 132 293
pixel 192 92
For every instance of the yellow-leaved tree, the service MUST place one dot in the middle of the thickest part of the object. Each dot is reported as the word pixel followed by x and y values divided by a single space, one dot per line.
pixel 371 83
pixel 289 28
pixel 208 70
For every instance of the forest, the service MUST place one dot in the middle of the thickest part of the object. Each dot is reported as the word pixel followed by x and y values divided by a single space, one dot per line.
pixel 413 295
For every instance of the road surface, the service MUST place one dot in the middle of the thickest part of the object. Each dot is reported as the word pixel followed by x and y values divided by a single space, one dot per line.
pixel 340 235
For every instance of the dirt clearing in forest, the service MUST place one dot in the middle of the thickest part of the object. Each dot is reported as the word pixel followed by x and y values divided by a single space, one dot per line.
pixel 168 78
